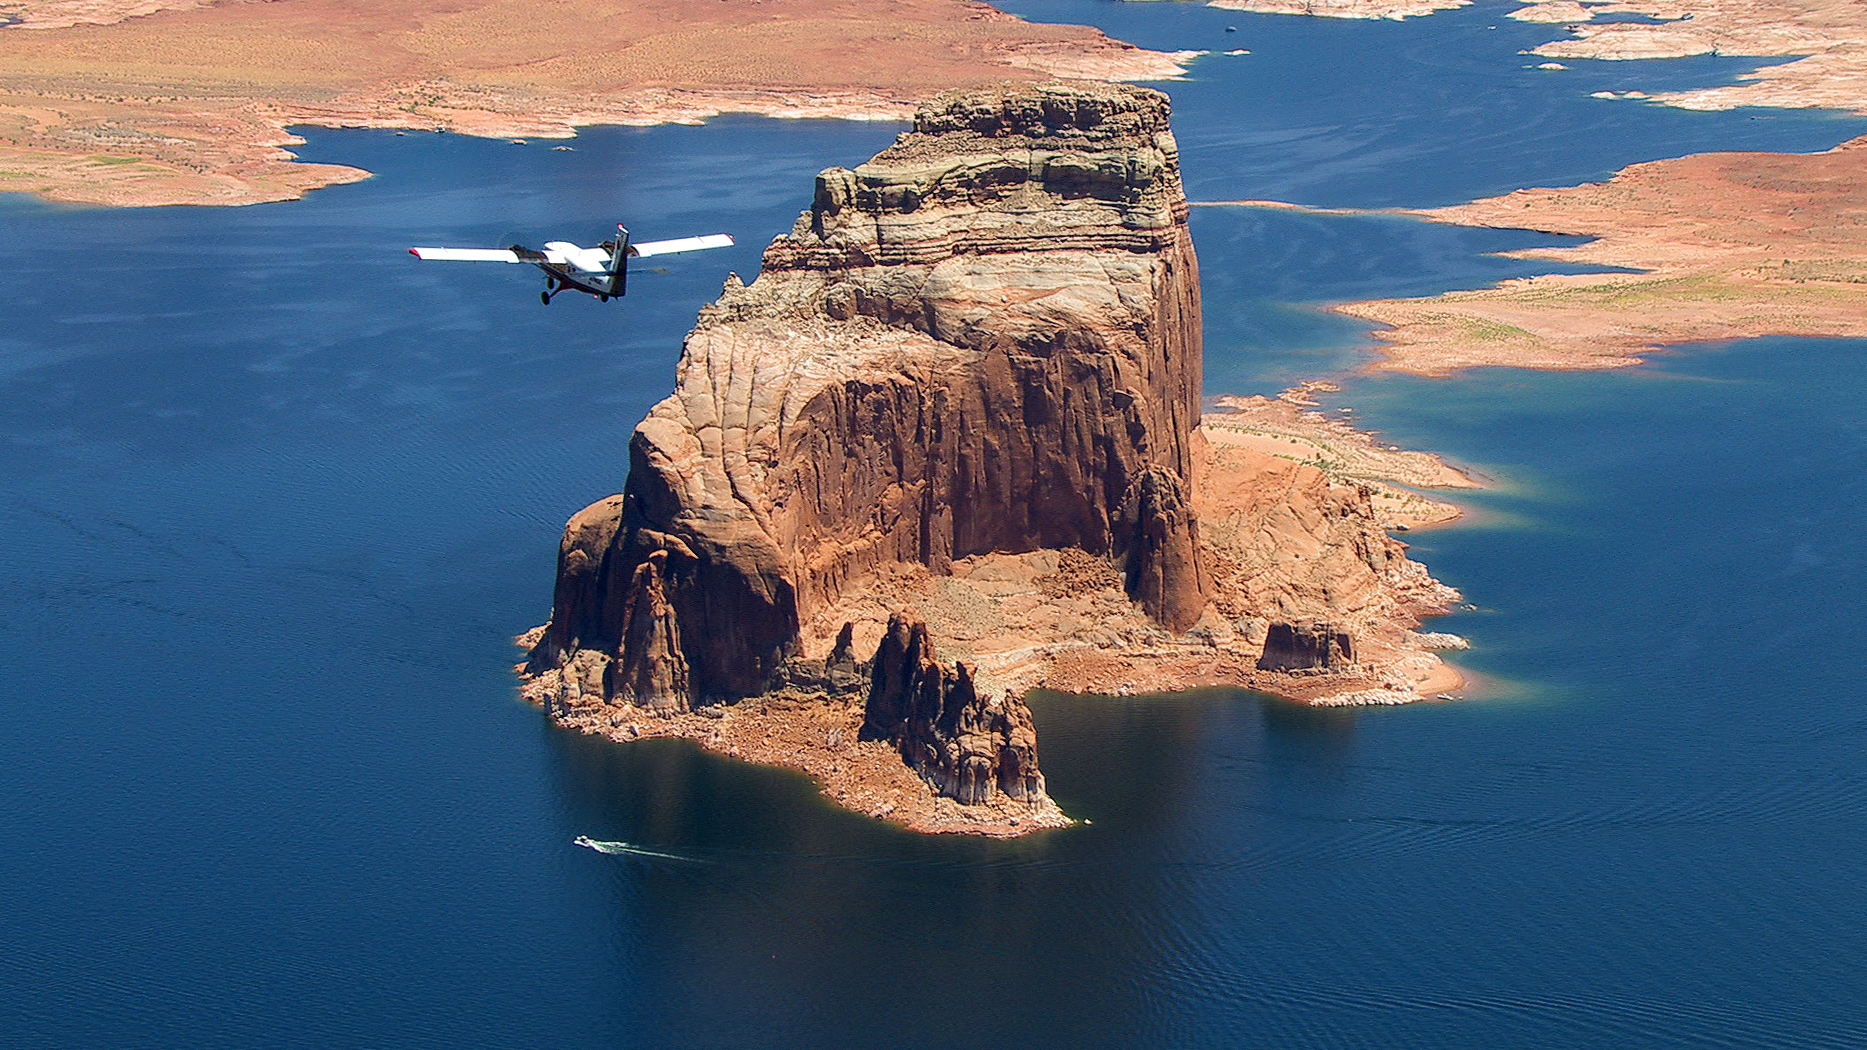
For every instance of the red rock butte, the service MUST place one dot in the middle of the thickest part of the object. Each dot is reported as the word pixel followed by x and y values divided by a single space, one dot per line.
pixel 986 339
pixel 965 390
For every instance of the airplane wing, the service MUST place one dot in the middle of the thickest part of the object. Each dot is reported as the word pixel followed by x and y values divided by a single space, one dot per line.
pixel 467 254
pixel 681 244
pixel 560 253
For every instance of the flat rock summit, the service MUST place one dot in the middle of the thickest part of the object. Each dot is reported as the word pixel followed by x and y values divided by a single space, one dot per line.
pixel 949 439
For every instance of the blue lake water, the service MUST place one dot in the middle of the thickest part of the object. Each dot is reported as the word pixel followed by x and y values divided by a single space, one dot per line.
pixel 275 496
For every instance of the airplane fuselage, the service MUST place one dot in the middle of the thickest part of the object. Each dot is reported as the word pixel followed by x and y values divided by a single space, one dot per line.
pixel 601 272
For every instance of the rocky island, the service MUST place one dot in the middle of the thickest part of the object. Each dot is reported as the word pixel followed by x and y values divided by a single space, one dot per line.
pixel 948 447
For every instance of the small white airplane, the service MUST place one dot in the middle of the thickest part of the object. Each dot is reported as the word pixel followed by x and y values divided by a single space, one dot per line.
pixel 602 271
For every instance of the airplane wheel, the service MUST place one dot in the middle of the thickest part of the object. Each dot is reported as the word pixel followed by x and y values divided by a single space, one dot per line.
pixel 603 298
pixel 545 298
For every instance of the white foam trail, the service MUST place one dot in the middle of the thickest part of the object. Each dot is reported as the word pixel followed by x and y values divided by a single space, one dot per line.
pixel 626 849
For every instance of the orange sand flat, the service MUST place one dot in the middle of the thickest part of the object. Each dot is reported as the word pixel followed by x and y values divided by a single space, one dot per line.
pixel 1734 245
pixel 129 102
pixel 1830 36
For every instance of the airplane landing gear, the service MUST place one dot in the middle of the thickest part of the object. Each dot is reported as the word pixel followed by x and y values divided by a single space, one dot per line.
pixel 545 298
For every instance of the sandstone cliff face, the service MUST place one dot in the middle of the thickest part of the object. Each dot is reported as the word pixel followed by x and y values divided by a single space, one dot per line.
pixel 986 339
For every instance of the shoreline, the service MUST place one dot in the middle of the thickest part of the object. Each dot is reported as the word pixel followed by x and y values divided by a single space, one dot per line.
pixel 101 102
pixel 1278 476
pixel 1708 247
pixel 1722 246
pixel 1824 42
pixel 815 736
pixel 105 102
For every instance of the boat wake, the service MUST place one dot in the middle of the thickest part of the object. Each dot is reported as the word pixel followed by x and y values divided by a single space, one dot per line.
pixel 626 849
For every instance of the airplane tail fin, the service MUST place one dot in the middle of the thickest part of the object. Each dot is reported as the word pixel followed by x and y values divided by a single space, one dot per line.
pixel 619 262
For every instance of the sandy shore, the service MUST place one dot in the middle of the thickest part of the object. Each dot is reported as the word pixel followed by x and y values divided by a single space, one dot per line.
pixel 1828 38
pixel 1394 9
pixel 1730 246
pixel 141 102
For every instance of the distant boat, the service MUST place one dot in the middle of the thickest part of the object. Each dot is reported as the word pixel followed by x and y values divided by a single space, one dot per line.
pixel 629 850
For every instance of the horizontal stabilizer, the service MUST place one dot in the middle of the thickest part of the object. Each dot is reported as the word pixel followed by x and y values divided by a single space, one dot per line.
pixel 467 254
pixel 589 260
pixel 681 244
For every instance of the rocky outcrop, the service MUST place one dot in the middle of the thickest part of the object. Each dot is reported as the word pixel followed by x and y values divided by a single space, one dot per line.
pixel 839 675
pixel 1306 646
pixel 986 339
pixel 965 744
